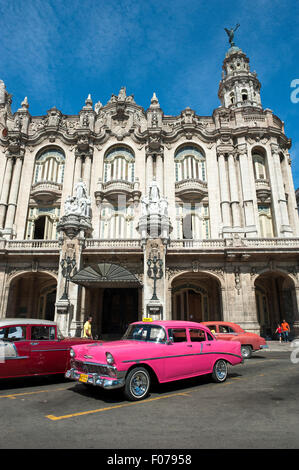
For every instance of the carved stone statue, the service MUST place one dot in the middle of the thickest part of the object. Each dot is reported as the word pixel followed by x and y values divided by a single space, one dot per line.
pixel 231 34
pixel 78 204
pixel 97 107
pixel 154 203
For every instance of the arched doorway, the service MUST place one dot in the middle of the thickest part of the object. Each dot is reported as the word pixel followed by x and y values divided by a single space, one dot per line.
pixel 275 300
pixel 32 295
pixel 196 297
pixel 112 295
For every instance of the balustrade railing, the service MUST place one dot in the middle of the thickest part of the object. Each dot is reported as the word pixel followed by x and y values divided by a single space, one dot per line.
pixel 177 244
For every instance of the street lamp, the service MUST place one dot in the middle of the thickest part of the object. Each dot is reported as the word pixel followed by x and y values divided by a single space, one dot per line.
pixel 68 268
pixel 155 272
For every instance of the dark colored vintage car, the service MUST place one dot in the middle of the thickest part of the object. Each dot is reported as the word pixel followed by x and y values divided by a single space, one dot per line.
pixel 232 332
pixel 33 347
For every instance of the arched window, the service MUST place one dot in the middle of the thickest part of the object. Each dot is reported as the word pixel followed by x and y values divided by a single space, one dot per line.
pixel 49 167
pixel 119 165
pixel 244 94
pixel 190 164
pixel 259 164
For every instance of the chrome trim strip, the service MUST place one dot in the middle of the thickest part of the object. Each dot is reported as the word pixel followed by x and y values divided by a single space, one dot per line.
pixel 183 355
pixel 48 350
pixel 17 357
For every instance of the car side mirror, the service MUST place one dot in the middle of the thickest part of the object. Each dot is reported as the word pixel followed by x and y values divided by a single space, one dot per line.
pixel 170 341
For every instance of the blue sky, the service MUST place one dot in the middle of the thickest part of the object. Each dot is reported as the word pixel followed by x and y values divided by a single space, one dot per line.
pixel 56 52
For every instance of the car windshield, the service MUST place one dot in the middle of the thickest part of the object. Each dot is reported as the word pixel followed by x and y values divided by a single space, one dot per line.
pixel 153 333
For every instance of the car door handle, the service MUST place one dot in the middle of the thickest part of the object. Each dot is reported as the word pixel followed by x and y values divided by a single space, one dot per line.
pixel 34 344
pixel 189 346
pixel 208 345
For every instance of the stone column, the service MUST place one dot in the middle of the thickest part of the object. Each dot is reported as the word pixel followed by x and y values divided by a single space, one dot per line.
pixel 154 308
pixel 14 191
pixel 224 192
pixel 292 203
pixel 5 189
pixel 285 228
pixel 247 188
pixel 149 171
pixel 160 172
pixel 234 191
pixel 87 171
pixel 78 169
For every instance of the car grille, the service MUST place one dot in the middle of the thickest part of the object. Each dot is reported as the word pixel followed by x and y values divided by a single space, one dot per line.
pixel 88 368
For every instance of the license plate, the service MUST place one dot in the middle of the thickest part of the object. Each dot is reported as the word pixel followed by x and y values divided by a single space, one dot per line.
pixel 83 378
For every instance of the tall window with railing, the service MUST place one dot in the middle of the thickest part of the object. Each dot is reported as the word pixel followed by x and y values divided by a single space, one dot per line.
pixel 193 221
pixel 265 219
pixel 259 165
pixel 119 165
pixel 117 222
pixel 190 163
pixel 49 167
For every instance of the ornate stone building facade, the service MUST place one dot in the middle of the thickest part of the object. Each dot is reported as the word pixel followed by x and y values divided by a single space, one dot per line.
pixel 122 212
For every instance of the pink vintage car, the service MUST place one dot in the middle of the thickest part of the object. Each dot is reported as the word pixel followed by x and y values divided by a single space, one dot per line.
pixel 162 350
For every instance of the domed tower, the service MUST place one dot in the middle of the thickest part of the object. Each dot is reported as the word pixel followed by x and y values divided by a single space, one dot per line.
pixel 239 86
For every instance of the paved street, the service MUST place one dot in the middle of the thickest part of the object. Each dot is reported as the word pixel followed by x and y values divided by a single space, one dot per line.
pixel 257 407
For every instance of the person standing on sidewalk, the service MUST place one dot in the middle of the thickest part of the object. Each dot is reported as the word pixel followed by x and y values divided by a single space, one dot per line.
pixel 285 330
pixel 87 328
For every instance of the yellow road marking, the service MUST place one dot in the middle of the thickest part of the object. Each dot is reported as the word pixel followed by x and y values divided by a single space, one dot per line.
pixel 124 405
pixel 14 395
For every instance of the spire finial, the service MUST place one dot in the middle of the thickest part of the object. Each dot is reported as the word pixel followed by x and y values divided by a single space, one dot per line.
pixel 25 104
pixel 154 101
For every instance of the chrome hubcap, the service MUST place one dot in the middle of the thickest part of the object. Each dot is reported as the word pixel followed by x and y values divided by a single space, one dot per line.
pixel 139 384
pixel 221 370
pixel 244 352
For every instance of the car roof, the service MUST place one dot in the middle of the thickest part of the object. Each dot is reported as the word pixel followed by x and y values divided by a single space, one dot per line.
pixel 224 323
pixel 172 323
pixel 25 321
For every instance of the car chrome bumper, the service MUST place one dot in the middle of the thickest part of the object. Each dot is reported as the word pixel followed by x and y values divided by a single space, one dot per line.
pixel 108 383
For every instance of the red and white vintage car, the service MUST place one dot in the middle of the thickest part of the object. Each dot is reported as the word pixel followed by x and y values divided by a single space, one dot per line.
pixel 232 332
pixel 162 350
pixel 33 347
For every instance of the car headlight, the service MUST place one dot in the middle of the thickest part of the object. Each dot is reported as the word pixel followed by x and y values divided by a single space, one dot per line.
pixel 72 353
pixel 109 358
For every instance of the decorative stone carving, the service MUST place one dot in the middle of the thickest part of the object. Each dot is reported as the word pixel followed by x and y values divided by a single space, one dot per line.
pixel 80 203
pixel 77 213
pixel 154 221
pixel 154 203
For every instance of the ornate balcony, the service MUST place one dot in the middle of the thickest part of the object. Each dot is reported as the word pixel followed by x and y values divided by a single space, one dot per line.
pixel 113 188
pixel 263 190
pixel 191 188
pixel 46 191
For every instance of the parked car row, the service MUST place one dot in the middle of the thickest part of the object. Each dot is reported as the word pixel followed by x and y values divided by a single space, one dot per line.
pixel 150 350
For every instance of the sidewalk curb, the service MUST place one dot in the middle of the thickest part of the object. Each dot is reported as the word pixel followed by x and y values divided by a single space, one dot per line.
pixel 277 346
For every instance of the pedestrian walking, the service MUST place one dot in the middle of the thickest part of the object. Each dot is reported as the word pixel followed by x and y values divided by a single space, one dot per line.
pixel 278 332
pixel 285 331
pixel 87 328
